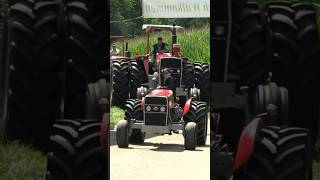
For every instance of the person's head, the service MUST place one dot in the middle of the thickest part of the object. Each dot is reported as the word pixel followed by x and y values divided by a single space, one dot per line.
pixel 166 73
pixel 159 40
pixel 114 46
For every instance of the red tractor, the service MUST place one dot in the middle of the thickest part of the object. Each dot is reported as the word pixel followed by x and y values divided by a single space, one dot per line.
pixel 148 67
pixel 143 70
pixel 159 113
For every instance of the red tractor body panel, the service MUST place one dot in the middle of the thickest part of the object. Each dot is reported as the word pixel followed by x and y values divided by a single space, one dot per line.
pixel 161 92
pixel 161 55
pixel 186 107
pixel 164 92
pixel 246 143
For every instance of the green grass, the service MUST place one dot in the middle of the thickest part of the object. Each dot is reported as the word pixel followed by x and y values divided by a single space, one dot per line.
pixel 316 170
pixel 195 43
pixel 116 114
pixel 21 162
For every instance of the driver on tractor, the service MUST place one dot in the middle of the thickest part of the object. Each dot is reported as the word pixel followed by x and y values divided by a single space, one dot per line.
pixel 160 47
pixel 168 81
pixel 114 51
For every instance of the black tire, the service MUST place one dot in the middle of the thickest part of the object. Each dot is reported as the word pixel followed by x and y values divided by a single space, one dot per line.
pixel 134 110
pixel 21 66
pixel 137 77
pixel 280 154
pixel 122 134
pixel 75 151
pixel 3 65
pixel 120 80
pixel 190 136
pixel 296 48
pixel 96 92
pixel 248 45
pixel 48 56
pixel 81 61
pixel 202 80
pixel 198 114
pixel 188 75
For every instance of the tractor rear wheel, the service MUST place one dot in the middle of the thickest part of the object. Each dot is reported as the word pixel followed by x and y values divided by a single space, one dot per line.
pixel 202 80
pixel 75 151
pixel 137 77
pixel 134 110
pixel 248 45
pixel 198 113
pixel 280 154
pixel 84 58
pixel 296 51
pixel 188 75
pixel 23 91
pixel 120 80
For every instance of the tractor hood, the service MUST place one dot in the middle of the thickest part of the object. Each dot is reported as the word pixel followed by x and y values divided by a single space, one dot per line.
pixel 160 92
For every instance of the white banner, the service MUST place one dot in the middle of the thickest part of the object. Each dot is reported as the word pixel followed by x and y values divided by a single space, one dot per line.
pixel 176 8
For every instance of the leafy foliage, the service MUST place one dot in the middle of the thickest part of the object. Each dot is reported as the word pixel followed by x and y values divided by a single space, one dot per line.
pixel 195 43
pixel 122 10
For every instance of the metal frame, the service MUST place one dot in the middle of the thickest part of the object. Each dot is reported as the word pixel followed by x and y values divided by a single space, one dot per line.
pixel 181 69
pixel 138 124
pixel 144 112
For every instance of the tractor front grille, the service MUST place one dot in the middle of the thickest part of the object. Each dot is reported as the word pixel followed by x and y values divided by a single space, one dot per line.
pixel 175 66
pixel 155 111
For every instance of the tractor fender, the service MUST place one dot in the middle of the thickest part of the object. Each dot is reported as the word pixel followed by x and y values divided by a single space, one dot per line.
pixel 187 107
pixel 104 129
pixel 142 102
pixel 246 143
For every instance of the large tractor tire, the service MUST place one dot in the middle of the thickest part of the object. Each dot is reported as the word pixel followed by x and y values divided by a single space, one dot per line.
pixel 137 77
pixel 188 75
pixel 248 45
pixel 120 83
pixel 23 96
pixel 134 110
pixel 3 66
pixel 296 50
pixel 202 80
pixel 75 151
pixel 83 57
pixel 97 92
pixel 122 134
pixel 246 62
pixel 198 113
pixel 190 136
pixel 280 154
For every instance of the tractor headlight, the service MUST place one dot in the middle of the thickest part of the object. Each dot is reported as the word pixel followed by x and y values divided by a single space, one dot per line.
pixel 148 108
pixel 162 109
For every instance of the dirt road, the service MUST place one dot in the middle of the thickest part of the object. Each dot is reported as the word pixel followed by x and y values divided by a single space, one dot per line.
pixel 160 158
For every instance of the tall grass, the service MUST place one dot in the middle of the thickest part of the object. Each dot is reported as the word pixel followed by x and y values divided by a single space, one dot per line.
pixel 195 43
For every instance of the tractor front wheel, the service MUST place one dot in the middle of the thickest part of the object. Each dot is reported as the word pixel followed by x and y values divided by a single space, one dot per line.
pixel 190 136
pixel 122 134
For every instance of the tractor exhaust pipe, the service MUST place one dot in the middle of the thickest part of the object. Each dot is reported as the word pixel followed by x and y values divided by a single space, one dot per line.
pixel 127 53
pixel 174 36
